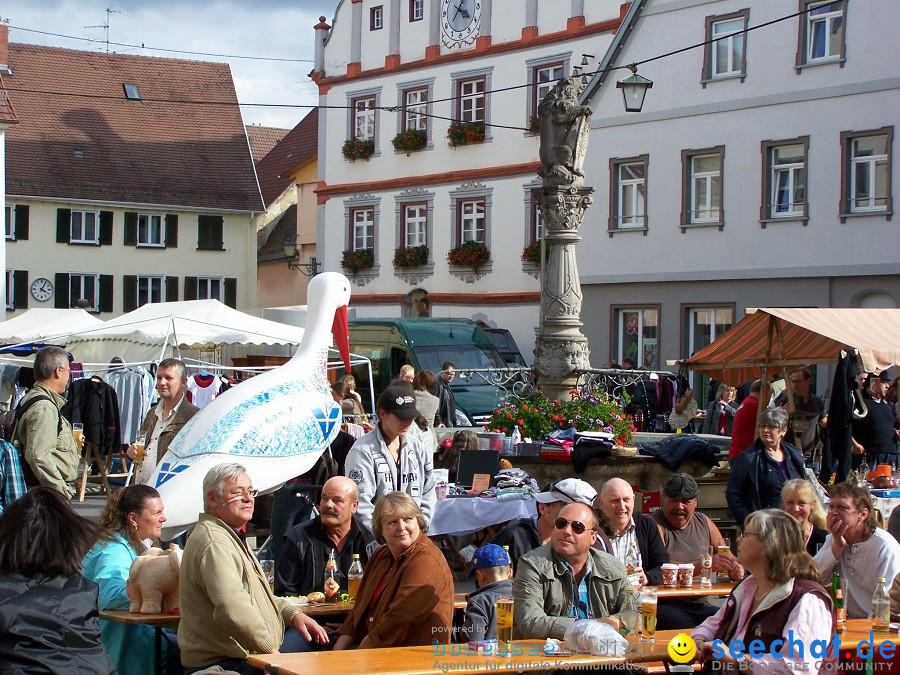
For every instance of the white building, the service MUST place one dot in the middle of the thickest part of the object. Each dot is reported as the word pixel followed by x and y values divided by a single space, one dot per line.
pixel 759 173
pixel 392 67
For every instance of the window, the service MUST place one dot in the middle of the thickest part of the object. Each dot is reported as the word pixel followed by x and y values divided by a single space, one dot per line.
pixel 702 326
pixel 785 179
pixel 132 93
pixel 415 225
pixel 415 109
pixel 471 220
pixel 211 288
pixel 822 32
pixel 150 230
pixel 636 334
pixel 416 10
pixel 866 179
pixel 537 223
pixel 84 291
pixel 726 57
pixel 470 100
pixel 702 187
pixel 10 288
pixel 376 18
pixel 362 226
pixel 84 228
pixel 210 235
pixel 9 224
pixel 17 290
pixel 150 289
pixel 628 206
pixel 543 79
pixel 364 118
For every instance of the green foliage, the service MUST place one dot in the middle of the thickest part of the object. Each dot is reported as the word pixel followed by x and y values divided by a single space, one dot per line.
pixel 410 140
pixel 412 256
pixel 469 254
pixel 532 253
pixel 356 148
pixel 465 133
pixel 355 261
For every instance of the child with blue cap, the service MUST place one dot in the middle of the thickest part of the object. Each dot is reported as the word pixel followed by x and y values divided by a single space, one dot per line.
pixel 493 575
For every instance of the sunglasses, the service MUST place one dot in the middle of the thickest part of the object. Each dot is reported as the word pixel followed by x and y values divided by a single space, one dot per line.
pixel 577 526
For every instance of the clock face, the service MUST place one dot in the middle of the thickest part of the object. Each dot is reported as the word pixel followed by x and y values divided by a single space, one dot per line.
pixel 41 289
pixel 459 22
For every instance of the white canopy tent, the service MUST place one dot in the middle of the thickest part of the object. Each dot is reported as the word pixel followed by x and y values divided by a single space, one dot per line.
pixel 41 325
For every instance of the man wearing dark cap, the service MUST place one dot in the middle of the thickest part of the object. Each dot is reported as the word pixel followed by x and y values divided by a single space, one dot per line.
pixel 387 459
pixel 685 532
pixel 874 435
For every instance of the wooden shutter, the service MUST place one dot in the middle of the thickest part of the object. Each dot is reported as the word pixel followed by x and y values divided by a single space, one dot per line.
pixel 63 226
pixel 231 292
pixel 22 213
pixel 209 232
pixel 129 292
pixel 106 228
pixel 61 291
pixel 171 289
pixel 130 229
pixel 190 288
pixel 20 289
pixel 171 230
pixel 106 293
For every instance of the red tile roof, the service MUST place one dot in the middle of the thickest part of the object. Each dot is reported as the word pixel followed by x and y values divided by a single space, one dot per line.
pixel 172 148
pixel 300 145
pixel 284 231
pixel 7 114
pixel 263 139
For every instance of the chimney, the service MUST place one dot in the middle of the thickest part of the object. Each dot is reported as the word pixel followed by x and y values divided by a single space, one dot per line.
pixel 4 47
pixel 321 29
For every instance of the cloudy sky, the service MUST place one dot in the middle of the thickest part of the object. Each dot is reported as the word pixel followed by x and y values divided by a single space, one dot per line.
pixel 275 29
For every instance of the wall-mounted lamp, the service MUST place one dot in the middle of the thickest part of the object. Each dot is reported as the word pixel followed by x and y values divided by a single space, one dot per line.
pixel 634 89
pixel 310 269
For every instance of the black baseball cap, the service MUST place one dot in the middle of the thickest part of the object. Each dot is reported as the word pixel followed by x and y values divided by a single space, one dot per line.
pixel 681 486
pixel 398 401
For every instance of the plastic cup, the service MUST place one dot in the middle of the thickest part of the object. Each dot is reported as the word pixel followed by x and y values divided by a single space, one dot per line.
pixel 78 433
pixel 140 442
pixel 670 575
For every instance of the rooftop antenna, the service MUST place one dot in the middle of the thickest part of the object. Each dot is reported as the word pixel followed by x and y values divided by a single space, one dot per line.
pixel 105 26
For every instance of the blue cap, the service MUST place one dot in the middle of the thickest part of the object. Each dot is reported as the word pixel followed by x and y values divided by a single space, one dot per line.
pixel 489 555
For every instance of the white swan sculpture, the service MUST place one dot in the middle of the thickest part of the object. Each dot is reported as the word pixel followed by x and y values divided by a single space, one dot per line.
pixel 275 424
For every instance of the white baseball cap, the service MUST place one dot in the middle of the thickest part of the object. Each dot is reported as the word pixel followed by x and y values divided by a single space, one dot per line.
pixel 568 490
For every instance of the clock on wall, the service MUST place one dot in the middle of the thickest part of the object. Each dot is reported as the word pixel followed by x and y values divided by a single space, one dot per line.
pixel 41 289
pixel 460 22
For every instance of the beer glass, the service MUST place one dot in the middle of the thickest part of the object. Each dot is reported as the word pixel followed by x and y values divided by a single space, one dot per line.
pixel 78 433
pixel 706 567
pixel 268 570
pixel 504 608
pixel 724 550
pixel 648 613
pixel 140 442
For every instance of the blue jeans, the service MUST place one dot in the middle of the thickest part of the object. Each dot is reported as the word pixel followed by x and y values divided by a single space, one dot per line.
pixel 287 510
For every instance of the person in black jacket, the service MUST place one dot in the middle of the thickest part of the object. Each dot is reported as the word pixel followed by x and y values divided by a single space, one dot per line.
pixel 49 620
pixel 446 413
pixel 759 473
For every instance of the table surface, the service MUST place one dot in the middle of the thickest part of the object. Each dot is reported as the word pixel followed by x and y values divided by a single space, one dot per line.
pixel 718 589
pixel 122 616
pixel 463 515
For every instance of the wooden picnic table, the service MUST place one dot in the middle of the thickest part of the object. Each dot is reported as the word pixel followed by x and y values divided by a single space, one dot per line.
pixel 158 621
pixel 718 589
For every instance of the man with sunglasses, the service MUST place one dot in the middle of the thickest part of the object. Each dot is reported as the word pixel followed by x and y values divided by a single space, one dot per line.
pixel 566 580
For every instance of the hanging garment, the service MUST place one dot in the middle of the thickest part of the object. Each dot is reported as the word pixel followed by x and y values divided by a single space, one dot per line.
pixel 202 388
pixel 94 403
pixel 133 397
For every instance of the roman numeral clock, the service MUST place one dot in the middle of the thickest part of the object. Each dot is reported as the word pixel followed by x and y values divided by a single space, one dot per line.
pixel 460 21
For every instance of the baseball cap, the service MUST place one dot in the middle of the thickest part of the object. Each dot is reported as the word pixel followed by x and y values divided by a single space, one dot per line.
pixel 568 490
pixel 681 486
pixel 489 555
pixel 398 401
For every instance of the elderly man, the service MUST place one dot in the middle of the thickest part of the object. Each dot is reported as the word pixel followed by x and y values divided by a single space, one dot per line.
pixel 227 609
pixel 165 420
pixel 42 435
pixel 388 459
pixel 301 568
pixel 807 413
pixel 857 548
pixel 632 533
pixel 685 533
pixel 567 579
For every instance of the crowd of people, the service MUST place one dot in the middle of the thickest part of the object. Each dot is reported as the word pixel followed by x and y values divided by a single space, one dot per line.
pixel 578 558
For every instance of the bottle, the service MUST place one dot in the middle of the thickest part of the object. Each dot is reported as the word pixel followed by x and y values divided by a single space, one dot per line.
pixel 639 419
pixel 516 435
pixel 837 596
pixel 881 609
pixel 631 616
pixel 354 576
pixel 632 560
pixel 332 589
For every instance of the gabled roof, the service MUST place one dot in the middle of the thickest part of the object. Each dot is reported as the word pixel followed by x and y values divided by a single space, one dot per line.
pixel 263 139
pixel 170 148
pixel 298 147
pixel 285 230
pixel 7 114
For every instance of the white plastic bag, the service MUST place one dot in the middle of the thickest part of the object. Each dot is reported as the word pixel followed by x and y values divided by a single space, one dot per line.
pixel 589 636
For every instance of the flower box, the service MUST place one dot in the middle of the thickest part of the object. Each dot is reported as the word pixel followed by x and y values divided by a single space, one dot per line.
pixel 469 254
pixel 531 254
pixel 534 125
pixel 465 133
pixel 410 140
pixel 411 256
pixel 363 259
pixel 356 148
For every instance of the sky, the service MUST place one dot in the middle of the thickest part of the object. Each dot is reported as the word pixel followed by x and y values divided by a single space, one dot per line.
pixel 275 29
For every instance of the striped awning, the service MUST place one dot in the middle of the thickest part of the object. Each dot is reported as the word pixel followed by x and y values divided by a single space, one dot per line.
pixel 782 337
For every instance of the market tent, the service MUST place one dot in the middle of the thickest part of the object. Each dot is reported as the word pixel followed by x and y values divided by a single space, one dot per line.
pixel 43 325
pixel 798 336
pixel 156 330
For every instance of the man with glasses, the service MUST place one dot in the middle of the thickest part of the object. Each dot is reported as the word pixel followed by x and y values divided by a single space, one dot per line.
pixel 42 435
pixel 567 579
pixel 228 610
pixel 807 412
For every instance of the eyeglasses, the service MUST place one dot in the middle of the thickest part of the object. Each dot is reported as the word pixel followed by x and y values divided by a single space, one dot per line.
pixel 746 534
pixel 577 526
pixel 798 381
pixel 245 492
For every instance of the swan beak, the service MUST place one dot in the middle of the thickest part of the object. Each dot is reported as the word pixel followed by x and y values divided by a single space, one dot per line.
pixel 341 333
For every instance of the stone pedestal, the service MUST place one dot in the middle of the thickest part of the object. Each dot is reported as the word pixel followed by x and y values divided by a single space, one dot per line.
pixel 561 348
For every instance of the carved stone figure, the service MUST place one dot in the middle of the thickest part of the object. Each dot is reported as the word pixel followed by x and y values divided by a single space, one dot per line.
pixel 564 134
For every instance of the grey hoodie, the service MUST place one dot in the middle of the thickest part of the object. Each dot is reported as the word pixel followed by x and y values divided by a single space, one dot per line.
pixel 481 614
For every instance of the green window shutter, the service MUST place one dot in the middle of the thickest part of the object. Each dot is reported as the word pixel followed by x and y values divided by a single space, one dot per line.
pixel 106 228
pixel 63 226
pixel 20 289
pixel 171 289
pixel 61 291
pixel 106 293
pixel 171 230
pixel 190 288
pixel 231 292
pixel 129 292
pixel 22 214
pixel 130 229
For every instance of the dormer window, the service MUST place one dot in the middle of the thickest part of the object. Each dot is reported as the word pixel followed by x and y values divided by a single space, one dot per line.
pixel 131 92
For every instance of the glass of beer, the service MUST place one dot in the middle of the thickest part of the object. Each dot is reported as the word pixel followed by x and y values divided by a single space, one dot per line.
pixel 706 567
pixel 504 608
pixel 724 550
pixel 268 569
pixel 648 613
pixel 78 433
pixel 140 442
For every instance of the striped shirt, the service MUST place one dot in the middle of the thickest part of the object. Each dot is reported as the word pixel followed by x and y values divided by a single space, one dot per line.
pixel 581 606
pixel 12 479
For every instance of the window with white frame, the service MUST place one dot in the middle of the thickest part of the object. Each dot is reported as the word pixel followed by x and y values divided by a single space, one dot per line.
pixel 415 109
pixel 84 228
pixel 822 38
pixel 703 186
pixel 415 225
pixel 364 118
pixel 362 226
pixel 10 289
pixel 416 10
pixel 471 220
pixel 543 79
pixel 211 288
pixel 9 223
pixel 150 289
pixel 725 52
pixel 84 288
pixel 629 193
pixel 537 222
pixel 786 179
pixel 470 99
pixel 150 230
pixel 703 325
pixel 867 159
pixel 637 335
pixel 376 18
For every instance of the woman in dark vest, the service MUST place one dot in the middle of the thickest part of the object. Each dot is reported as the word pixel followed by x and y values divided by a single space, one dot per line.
pixel 782 600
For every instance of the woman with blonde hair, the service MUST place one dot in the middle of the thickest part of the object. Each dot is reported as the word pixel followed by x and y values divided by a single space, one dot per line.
pixel 798 498
pixel 720 412
pixel 352 402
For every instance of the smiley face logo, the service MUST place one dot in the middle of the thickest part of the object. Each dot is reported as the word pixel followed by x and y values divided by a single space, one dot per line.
pixel 682 648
